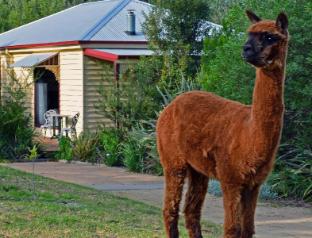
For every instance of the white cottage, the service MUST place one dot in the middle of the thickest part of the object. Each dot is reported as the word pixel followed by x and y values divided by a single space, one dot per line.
pixel 64 50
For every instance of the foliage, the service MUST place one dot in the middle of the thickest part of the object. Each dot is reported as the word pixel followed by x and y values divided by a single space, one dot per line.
pixel 65 151
pixel 133 152
pixel 132 97
pixel 225 73
pixel 148 137
pixel 169 26
pixel 220 8
pixel 139 150
pixel 268 192
pixel 146 74
pixel 109 140
pixel 132 101
pixel 177 35
pixel 33 155
pixel 167 95
pixel 16 132
pixel 12 16
pixel 293 176
pixel 220 75
pixel 84 147
pixel 139 144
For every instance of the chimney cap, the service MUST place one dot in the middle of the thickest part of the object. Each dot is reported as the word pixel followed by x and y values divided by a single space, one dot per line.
pixel 131 22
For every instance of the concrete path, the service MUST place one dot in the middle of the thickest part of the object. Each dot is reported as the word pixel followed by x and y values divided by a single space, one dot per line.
pixel 272 221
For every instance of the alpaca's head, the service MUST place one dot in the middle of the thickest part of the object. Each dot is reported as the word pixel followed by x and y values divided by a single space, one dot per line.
pixel 267 41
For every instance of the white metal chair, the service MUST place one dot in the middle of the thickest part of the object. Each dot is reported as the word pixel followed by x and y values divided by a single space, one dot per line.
pixel 48 121
pixel 72 128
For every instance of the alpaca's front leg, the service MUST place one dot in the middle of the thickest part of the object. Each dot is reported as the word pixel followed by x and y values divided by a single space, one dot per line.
pixel 231 203
pixel 248 205
pixel 195 196
pixel 174 180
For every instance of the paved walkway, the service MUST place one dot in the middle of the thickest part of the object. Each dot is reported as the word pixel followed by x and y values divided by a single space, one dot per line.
pixel 273 221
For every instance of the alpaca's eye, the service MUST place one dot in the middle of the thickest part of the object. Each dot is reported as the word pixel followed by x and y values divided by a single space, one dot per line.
pixel 270 38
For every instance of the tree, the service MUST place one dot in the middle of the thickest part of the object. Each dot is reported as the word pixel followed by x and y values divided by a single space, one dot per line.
pixel 178 33
pixel 220 8
pixel 18 12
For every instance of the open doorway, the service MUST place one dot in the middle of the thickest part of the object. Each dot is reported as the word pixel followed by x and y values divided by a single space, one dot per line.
pixel 46 94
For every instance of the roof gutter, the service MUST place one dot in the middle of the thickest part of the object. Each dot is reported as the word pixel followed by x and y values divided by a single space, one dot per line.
pixel 67 43
pixel 62 43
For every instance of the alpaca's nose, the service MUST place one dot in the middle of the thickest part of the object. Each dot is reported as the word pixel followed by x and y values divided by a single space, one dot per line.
pixel 247 48
pixel 248 51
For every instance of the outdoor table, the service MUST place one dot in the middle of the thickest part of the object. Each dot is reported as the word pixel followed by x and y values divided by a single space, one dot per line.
pixel 59 119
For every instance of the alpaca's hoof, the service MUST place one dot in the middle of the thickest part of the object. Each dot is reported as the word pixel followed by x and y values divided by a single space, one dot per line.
pixel 247 234
pixel 233 233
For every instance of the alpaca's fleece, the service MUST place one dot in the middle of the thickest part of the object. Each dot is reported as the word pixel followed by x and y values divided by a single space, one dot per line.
pixel 201 135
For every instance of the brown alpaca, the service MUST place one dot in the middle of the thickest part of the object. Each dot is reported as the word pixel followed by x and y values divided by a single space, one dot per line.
pixel 201 136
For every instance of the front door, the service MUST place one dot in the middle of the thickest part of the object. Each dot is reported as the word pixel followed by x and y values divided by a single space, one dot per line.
pixel 46 94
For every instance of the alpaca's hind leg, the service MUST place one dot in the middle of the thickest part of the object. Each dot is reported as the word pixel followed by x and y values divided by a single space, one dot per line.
pixel 231 203
pixel 248 208
pixel 173 192
pixel 195 196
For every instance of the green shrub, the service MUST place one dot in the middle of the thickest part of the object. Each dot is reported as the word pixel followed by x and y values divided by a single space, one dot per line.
pixel 16 131
pixel 133 153
pixel 139 150
pixel 84 147
pixel 65 151
pixel 151 162
pixel 109 140
pixel 134 97
pixel 293 173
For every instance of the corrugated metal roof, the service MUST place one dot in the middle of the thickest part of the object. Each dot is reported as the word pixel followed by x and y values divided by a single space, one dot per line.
pixel 113 12
pixel 116 28
pixel 127 52
pixel 86 21
pixel 33 60
pixel 94 21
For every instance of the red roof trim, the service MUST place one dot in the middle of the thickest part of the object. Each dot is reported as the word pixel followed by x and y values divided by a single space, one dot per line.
pixel 101 55
pixel 64 43
pixel 43 45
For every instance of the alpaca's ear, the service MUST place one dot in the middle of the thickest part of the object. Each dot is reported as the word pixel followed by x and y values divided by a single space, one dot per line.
pixel 252 17
pixel 282 21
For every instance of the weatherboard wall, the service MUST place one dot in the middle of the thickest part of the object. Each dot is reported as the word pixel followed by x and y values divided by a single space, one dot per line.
pixel 98 75
pixel 71 85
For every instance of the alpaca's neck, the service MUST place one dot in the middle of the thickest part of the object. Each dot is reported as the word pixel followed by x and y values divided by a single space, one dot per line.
pixel 268 102
pixel 267 109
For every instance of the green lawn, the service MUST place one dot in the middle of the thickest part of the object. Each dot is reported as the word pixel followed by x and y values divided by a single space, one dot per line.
pixel 66 210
